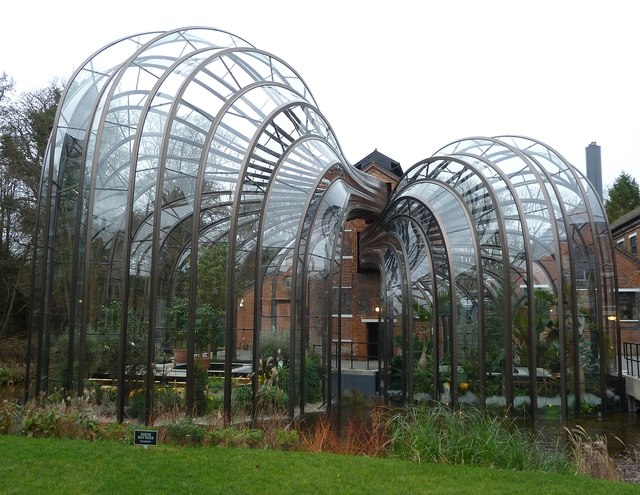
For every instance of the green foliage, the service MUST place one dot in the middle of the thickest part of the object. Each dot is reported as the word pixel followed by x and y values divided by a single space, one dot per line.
pixel 278 377
pixel 622 197
pixel 212 275
pixel 424 313
pixel 10 375
pixel 468 436
pixel 233 436
pixel 547 345
pixel 275 346
pixel 136 406
pixel 272 398
pixel 40 422
pixel 201 401
pixel 165 399
pixel 423 377
pixel 116 432
pixel 56 420
pixel 103 341
pixel 241 398
pixel 103 393
pixel 313 378
pixel 186 432
pixel 216 383
pixel 215 403
pixel 177 321
pixel 208 330
pixel 286 439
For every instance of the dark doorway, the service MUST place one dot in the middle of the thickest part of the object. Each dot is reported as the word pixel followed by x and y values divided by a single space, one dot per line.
pixel 372 340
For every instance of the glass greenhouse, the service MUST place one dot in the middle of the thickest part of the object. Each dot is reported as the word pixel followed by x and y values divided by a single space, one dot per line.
pixel 193 228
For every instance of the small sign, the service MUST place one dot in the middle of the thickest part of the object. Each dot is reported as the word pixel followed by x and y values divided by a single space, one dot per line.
pixel 145 437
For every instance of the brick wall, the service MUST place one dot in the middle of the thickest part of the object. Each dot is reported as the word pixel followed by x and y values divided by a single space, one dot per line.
pixel 628 270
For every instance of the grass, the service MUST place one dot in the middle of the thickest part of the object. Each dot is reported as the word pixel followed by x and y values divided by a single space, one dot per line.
pixel 592 455
pixel 470 436
pixel 54 465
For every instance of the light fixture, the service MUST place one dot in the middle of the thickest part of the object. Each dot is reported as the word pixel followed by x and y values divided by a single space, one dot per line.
pixel 242 302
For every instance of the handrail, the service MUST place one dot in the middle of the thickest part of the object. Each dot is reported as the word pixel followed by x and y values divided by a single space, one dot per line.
pixel 631 356
pixel 350 356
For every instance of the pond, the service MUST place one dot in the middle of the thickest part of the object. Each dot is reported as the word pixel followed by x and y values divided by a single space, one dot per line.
pixel 621 429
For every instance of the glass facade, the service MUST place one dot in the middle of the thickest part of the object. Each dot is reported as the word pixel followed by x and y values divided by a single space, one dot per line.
pixel 194 209
pixel 504 251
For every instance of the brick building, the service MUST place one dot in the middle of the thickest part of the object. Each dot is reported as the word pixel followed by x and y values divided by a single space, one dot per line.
pixel 361 289
pixel 355 297
pixel 625 232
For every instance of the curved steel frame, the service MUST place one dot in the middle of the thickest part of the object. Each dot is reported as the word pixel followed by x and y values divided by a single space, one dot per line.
pixel 167 142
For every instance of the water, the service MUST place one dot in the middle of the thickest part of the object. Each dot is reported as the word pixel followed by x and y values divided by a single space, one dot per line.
pixel 621 430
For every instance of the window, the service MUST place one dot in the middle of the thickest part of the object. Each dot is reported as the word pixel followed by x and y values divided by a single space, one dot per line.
pixel 629 302
pixel 620 243
pixel 633 243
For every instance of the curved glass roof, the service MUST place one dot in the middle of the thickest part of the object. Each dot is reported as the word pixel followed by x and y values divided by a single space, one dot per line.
pixel 189 169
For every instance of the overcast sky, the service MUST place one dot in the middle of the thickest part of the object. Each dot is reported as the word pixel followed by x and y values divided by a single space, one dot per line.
pixel 405 77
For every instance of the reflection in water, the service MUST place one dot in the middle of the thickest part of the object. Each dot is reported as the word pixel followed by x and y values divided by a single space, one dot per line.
pixel 622 431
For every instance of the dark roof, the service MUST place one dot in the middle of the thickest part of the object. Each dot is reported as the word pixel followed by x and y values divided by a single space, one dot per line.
pixel 625 219
pixel 383 161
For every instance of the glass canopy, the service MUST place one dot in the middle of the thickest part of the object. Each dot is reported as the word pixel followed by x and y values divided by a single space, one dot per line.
pixel 195 207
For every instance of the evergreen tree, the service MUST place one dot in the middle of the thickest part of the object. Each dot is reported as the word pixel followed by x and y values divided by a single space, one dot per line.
pixel 622 197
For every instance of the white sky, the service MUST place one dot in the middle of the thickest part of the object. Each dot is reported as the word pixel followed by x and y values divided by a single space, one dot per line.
pixel 406 76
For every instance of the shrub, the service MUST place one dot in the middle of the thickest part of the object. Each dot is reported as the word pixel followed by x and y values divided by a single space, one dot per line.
pixel 241 397
pixel 286 439
pixel 167 399
pixel 272 398
pixel 215 403
pixel 137 401
pixel 10 414
pixel 216 383
pixel 236 437
pixel 312 378
pixel 10 376
pixel 63 420
pixel 186 432
pixel 80 424
pixel 40 422
pixel 275 346
pixel 201 402
pixel 119 432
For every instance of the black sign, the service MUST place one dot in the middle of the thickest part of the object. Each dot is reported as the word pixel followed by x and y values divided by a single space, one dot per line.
pixel 145 437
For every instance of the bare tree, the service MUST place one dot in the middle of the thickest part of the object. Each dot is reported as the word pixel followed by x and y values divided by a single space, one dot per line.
pixel 25 124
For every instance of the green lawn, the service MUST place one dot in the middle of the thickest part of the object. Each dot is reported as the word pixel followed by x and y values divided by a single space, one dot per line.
pixel 51 466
